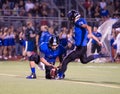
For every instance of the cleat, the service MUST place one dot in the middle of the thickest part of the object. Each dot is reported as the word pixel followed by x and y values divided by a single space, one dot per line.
pixel 102 55
pixel 32 76
pixel 60 77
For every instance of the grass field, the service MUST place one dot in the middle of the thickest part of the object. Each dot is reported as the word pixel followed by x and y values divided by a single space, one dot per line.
pixel 92 78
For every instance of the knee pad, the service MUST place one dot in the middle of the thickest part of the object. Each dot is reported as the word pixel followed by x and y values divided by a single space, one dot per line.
pixel 35 58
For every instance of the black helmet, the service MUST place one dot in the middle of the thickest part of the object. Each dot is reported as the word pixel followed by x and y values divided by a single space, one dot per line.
pixel 53 41
pixel 72 14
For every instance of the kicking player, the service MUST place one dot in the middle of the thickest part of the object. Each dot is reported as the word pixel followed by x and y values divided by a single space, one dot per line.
pixel 81 33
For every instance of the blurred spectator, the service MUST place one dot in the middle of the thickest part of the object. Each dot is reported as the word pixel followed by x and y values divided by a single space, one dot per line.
pixel 6 43
pixel 12 3
pixel 97 11
pixel 21 4
pixel 117 43
pixel 44 21
pixel 1 43
pixel 87 5
pixel 1 4
pixel 0 12
pixel 11 42
pixel 6 10
pixel 29 5
pixel 110 8
pixel 95 45
pixel 103 4
pixel 104 13
pixel 70 40
pixel 19 42
pixel 63 36
pixel 15 11
pixel 52 13
pixel 36 11
pixel 113 47
pixel 44 9
pixel 22 12
pixel 117 5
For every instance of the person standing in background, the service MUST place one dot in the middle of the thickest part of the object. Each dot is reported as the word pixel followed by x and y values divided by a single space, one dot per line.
pixel 95 45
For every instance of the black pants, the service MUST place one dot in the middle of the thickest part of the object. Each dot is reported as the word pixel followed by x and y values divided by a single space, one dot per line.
pixel 95 47
pixel 47 72
pixel 79 52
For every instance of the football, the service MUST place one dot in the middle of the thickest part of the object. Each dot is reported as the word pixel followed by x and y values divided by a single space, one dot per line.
pixel 53 73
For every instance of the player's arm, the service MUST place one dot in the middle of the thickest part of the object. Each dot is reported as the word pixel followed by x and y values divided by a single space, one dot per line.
pixel 87 27
pixel 90 35
pixel 43 60
pixel 95 38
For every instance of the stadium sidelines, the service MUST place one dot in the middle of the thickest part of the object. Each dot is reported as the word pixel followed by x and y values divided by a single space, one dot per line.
pixel 72 81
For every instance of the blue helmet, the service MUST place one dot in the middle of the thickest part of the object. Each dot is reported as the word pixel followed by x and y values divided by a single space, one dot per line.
pixel 72 14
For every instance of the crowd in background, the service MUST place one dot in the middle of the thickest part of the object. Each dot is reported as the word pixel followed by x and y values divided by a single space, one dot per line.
pixel 41 8
pixel 12 42
pixel 98 9
pixel 38 8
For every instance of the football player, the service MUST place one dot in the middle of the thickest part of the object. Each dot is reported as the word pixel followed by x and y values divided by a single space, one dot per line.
pixel 48 54
pixel 82 31
pixel 49 51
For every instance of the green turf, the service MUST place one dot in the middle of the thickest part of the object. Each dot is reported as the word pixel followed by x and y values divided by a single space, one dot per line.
pixel 91 78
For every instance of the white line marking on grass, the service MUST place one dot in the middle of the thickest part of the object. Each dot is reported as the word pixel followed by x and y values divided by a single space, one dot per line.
pixel 95 84
pixel 85 83
pixel 108 67
pixel 9 75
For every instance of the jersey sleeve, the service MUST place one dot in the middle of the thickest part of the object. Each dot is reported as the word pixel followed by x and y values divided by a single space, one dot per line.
pixel 81 21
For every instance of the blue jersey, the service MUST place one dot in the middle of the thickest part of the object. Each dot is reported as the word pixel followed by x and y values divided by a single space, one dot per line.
pixel 51 55
pixel 80 33
pixel 1 42
pixel 44 37
pixel 98 35
pixel 30 42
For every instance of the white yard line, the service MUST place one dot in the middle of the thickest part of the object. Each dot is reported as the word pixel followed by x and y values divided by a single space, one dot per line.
pixel 96 84
pixel 108 67
pixel 10 75
pixel 84 83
